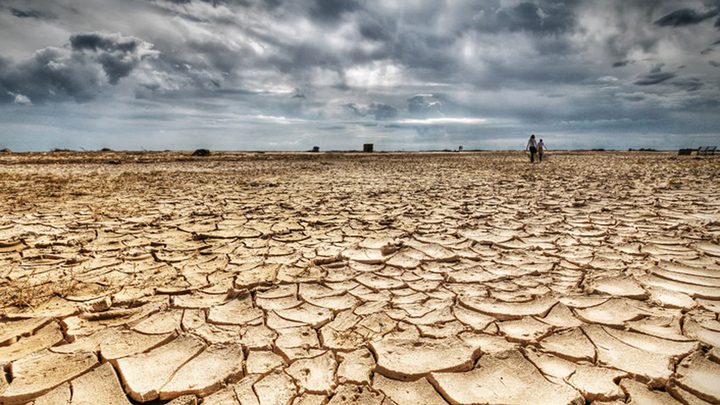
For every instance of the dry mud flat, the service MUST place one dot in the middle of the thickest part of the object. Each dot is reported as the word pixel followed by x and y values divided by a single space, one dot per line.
pixel 359 279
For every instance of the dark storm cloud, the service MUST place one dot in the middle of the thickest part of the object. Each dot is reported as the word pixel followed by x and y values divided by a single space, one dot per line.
pixel 543 17
pixel 688 84
pixel 685 16
pixel 656 76
pixel 331 10
pixel 50 74
pixel 710 48
pixel 29 13
pixel 55 74
pixel 117 54
pixel 620 63
pixel 375 29
pixel 96 41
pixel 634 97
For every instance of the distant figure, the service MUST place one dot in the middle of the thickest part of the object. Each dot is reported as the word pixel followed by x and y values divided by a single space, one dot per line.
pixel 541 149
pixel 532 147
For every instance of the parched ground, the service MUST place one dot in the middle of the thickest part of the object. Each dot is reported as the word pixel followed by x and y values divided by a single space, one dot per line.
pixel 462 278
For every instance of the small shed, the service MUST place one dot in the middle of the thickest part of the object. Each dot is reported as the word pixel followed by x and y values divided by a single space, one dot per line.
pixel 368 147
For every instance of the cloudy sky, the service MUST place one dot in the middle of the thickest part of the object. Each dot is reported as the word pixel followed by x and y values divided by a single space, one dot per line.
pixel 403 74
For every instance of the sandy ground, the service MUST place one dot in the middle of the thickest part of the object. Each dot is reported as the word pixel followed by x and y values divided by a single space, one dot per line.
pixel 372 279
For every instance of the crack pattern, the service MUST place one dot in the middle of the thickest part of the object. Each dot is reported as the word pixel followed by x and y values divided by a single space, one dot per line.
pixel 343 278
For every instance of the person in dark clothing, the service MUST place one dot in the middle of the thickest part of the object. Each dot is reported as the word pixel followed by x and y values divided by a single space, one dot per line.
pixel 532 147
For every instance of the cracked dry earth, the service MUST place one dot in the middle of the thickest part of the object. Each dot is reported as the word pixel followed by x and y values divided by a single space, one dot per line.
pixel 359 279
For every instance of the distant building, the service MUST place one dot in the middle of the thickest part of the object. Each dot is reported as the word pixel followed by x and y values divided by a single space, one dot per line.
pixel 460 148
pixel 368 147
pixel 316 149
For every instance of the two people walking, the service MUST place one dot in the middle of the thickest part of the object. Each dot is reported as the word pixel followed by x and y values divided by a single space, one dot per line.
pixel 535 147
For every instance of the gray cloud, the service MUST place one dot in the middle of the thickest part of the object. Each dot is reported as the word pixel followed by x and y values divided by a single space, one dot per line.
pixel 355 109
pixel 634 97
pixel 20 99
pixel 423 103
pixel 378 111
pixel 331 10
pixel 422 71
pixel 55 74
pixel 656 76
pixel 382 111
pixel 688 84
pixel 543 17
pixel 621 63
pixel 51 74
pixel 685 16
pixel 30 13
pixel 117 54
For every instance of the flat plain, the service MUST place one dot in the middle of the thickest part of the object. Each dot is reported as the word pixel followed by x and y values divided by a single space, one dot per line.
pixel 409 278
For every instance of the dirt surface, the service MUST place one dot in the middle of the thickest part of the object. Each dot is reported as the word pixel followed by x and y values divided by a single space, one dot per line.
pixel 432 278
